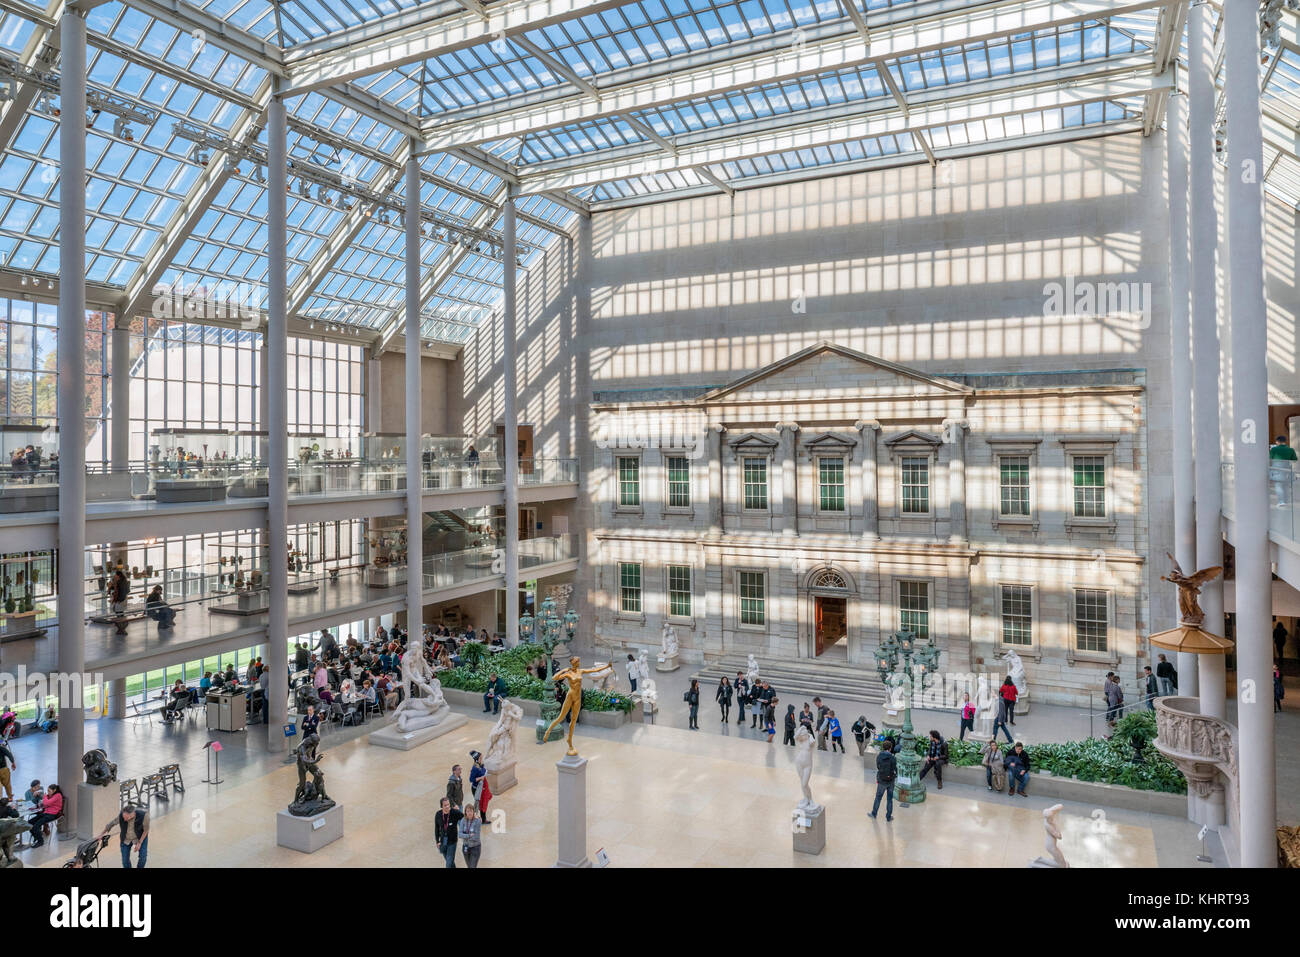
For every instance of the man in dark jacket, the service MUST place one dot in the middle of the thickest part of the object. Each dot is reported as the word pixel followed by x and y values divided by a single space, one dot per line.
pixel 444 830
pixel 1166 676
pixel 936 756
pixel 496 690
pixel 1151 688
pixel 886 772
pixel 1017 765
pixel 742 695
pixel 455 789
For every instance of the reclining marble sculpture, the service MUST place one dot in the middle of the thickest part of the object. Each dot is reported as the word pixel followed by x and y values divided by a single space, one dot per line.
pixel 99 770
pixel 310 798
pixel 430 706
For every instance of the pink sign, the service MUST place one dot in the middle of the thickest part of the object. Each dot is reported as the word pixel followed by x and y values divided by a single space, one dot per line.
pixel 216 745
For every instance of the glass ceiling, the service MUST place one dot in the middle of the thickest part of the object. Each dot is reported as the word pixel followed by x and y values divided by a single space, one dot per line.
pixel 694 96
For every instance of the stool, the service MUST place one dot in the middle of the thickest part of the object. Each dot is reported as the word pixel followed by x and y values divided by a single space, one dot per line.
pixel 151 785
pixel 128 792
pixel 171 775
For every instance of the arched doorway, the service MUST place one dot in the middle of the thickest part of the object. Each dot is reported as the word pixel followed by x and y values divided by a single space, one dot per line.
pixel 829 593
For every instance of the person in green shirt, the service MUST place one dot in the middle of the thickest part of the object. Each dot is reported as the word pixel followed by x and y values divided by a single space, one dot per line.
pixel 1279 474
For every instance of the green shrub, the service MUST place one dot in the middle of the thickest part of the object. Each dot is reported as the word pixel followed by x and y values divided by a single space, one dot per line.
pixel 510 665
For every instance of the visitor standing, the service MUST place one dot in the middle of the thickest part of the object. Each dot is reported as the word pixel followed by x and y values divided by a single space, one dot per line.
pixel 471 835
pixel 444 830
pixel 822 712
pixel 7 764
pixel 1114 699
pixel 886 772
pixel 1151 688
pixel 769 718
pixel 967 716
pixel 1280 457
pixel 862 729
pixel 995 772
pixel 632 672
pixel 723 697
pixel 692 699
pixel 132 833
pixel 1279 639
pixel 478 783
pixel 1279 690
pixel 742 695
pixel 936 756
pixel 1166 676
pixel 790 722
pixel 1010 693
pixel 455 787
pixel 834 731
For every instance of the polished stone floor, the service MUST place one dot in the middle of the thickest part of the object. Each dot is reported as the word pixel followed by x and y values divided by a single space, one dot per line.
pixel 657 796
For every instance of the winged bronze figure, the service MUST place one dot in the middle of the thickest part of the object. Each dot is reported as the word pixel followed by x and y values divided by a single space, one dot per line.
pixel 1189 587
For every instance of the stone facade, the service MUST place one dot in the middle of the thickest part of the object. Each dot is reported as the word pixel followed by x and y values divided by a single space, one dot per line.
pixel 832 476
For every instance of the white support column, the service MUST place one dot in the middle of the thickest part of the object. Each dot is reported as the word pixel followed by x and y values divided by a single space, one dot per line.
pixel 115 693
pixel 414 406
pixel 510 403
pixel 1180 342
pixel 1244 200
pixel 277 419
pixel 120 384
pixel 1204 230
pixel 72 404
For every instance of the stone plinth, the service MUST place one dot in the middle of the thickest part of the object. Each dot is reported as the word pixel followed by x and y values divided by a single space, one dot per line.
pixel 666 663
pixel 809 827
pixel 571 808
pixel 96 806
pixel 502 779
pixel 390 737
pixel 309 834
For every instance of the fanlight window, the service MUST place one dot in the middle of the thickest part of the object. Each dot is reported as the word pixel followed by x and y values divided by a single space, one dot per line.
pixel 829 579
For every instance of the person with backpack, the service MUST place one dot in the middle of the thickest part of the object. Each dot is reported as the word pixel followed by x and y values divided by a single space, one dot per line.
pixel 862 730
pixel 692 698
pixel 886 773
pixel 936 756
pixel 967 716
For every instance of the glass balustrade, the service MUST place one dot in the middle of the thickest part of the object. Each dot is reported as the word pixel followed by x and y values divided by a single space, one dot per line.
pixel 1283 495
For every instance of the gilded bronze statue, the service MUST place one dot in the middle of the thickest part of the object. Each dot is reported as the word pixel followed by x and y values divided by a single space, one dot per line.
pixel 573 699
pixel 1189 587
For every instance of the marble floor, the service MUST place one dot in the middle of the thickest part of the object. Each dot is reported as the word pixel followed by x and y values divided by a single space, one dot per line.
pixel 657 796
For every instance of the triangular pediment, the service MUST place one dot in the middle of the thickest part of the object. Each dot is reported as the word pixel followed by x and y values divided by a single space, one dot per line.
pixel 753 442
pixel 913 437
pixel 829 442
pixel 827 370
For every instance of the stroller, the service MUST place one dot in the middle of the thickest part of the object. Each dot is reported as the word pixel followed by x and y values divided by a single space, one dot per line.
pixel 88 852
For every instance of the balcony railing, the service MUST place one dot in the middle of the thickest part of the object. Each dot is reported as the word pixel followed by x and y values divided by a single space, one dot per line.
pixel 1283 496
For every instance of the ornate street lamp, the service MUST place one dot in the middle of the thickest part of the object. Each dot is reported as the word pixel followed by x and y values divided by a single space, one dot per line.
pixel 550 625
pixel 920 660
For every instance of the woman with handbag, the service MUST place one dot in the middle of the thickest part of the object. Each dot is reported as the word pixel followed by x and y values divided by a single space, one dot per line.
pixel 478 786
pixel 692 698
pixel 967 716
pixel 723 697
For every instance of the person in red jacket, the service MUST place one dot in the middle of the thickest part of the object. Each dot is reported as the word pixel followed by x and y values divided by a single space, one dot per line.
pixel 1009 693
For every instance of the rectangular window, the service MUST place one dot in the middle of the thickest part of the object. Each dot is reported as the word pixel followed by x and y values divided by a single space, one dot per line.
pixel 679 591
pixel 755 484
pixel 1090 486
pixel 753 599
pixel 679 482
pixel 629 482
pixel 914 608
pixel 830 483
pixel 1014 483
pixel 1017 615
pixel 1091 619
pixel 629 587
pixel 916 485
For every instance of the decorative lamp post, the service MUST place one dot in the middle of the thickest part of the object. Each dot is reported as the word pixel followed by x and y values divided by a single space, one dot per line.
pixel 551 625
pixel 920 659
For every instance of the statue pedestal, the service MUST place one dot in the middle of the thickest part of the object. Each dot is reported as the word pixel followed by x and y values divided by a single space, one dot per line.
pixel 571 808
pixel 1041 861
pixel 1022 703
pixel 809 827
pixel 309 834
pixel 666 663
pixel 96 806
pixel 390 737
pixel 502 779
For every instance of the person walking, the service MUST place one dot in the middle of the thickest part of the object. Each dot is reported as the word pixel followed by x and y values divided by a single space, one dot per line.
pixel 723 697
pixel 741 686
pixel 886 772
pixel 1279 639
pixel 1114 699
pixel 692 699
pixel 834 732
pixel 1001 720
pixel 1010 693
pixel 8 763
pixel 1017 765
pixel 822 712
pixel 1152 688
pixel 455 787
pixel 936 756
pixel 478 783
pixel 1279 691
pixel 471 835
pixel 445 829
pixel 1166 676
pixel 789 726
pixel 967 716
pixel 995 772
pixel 862 729
pixel 769 718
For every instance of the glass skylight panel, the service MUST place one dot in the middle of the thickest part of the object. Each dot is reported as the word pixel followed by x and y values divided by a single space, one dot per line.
pixel 15 31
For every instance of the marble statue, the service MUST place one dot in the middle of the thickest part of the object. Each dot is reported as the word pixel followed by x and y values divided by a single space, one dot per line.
pixel 647 693
pixel 430 707
pixel 1016 669
pixel 642 666
pixel 501 742
pixel 804 743
pixel 10 829
pixel 607 679
pixel 99 770
pixel 751 670
pixel 310 798
pixel 1053 828
pixel 668 641
pixel 572 699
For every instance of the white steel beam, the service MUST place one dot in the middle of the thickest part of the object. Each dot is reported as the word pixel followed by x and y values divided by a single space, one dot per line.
pixel 946 27
pixel 40 52
pixel 1038 94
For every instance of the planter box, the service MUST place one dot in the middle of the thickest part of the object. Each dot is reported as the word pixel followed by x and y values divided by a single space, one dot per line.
pixel 533 709
pixel 1046 784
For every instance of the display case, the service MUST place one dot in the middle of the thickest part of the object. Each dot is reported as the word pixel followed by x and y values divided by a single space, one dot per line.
pixel 190 465
pixel 459 461
pixel 339 461
pixel 249 477
pixel 383 466
pixel 241 578
pixel 306 476
pixel 30 467
pixel 386 553
pixel 26 594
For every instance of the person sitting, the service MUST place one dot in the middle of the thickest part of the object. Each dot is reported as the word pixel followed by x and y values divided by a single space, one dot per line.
pixel 1017 765
pixel 372 697
pixel 205 682
pixel 177 701
pixel 49 810
pixel 50 722
pixel 156 607
pixel 387 691
pixel 34 792
pixel 497 642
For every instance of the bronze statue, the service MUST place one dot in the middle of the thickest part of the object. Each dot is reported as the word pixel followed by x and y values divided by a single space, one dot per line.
pixel 11 828
pixel 573 699
pixel 310 798
pixel 1189 587
pixel 99 770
